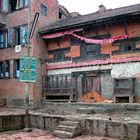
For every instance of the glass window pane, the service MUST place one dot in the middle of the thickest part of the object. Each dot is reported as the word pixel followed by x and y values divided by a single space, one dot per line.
pixel 24 34
pixel 26 2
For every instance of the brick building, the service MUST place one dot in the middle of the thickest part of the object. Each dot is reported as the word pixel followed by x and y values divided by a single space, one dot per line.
pixel 81 70
pixel 13 44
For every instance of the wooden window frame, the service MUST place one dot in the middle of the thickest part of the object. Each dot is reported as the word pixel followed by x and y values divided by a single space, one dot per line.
pixel 5 40
pixel 42 7
pixel 122 48
pixel 5 73
pixel 18 6
pixel 93 47
pixel 57 56
pixel 16 63
pixel 15 35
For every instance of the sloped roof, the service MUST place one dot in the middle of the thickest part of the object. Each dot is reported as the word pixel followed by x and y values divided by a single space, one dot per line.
pixel 84 19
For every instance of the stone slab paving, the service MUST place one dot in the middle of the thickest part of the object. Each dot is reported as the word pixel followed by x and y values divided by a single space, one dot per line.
pixel 114 116
pixel 38 134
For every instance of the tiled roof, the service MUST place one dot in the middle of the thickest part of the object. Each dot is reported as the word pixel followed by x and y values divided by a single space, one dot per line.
pixel 83 19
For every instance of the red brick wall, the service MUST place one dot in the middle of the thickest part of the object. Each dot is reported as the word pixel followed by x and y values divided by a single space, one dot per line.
pixel 39 48
pixel 114 30
pixel 12 88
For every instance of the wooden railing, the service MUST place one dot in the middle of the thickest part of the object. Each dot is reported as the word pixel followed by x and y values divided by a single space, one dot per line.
pixel 59 87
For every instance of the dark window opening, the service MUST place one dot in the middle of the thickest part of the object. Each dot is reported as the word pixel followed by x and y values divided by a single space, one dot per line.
pixel 17 36
pixel 89 50
pixel 60 15
pixel 7 72
pixel 59 56
pixel 5 69
pixel 12 5
pixel 129 47
pixel 17 30
pixel 43 10
pixel 1 70
pixel 122 99
pixel 125 47
pixel 3 39
pixel 16 68
pixel 58 97
pixel 17 4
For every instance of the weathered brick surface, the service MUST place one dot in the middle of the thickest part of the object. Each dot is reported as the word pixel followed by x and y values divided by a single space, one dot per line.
pixel 12 88
pixel 115 129
pixel 52 122
pixel 132 131
pixel 99 128
pixel 37 121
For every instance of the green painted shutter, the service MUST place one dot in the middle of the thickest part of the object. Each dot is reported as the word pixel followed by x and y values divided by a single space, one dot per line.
pixel 23 35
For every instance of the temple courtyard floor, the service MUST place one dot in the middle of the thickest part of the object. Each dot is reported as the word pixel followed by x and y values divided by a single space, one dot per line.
pixel 38 134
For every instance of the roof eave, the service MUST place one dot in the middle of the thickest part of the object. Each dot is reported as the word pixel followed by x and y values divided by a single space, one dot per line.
pixel 44 31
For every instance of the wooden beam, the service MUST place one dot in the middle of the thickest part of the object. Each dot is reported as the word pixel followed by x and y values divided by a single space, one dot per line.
pixel 125 27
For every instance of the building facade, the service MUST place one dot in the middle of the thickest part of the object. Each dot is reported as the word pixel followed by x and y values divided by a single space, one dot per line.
pixel 13 45
pixel 79 69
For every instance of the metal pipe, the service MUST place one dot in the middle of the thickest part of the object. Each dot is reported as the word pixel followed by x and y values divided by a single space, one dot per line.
pixel 27 84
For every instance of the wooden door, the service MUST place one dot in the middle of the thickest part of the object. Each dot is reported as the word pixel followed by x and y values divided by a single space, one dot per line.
pixel 91 83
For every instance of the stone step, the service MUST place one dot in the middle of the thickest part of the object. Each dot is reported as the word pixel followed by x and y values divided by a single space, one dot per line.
pixel 70 123
pixel 66 128
pixel 77 118
pixel 63 134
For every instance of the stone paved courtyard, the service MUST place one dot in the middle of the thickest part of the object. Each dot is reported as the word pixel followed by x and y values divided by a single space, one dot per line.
pixel 130 117
pixel 37 134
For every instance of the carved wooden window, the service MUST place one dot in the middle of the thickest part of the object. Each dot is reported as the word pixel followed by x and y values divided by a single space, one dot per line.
pixel 127 47
pixel 58 81
pixel 90 50
pixel 59 56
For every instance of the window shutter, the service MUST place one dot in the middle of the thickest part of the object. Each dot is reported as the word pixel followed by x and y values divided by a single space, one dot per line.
pixel 23 35
pixel 1 40
pixel 5 6
pixel 11 36
pixel 19 4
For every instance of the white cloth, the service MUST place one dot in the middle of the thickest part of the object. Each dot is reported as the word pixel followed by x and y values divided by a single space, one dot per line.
pixel 126 70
